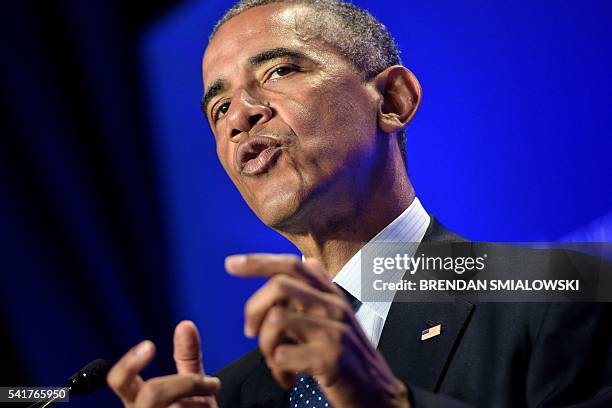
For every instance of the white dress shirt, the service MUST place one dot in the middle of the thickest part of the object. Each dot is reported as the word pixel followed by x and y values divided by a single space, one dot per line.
pixel 408 227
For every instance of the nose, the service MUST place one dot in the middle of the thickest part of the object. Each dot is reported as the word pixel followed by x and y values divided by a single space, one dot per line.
pixel 244 113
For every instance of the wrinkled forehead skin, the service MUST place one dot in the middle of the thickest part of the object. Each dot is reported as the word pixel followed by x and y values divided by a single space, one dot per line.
pixel 261 28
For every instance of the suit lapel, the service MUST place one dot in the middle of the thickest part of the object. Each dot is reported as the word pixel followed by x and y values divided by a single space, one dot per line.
pixel 424 362
pixel 260 390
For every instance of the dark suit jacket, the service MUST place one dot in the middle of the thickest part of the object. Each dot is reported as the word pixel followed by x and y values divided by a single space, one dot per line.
pixel 488 355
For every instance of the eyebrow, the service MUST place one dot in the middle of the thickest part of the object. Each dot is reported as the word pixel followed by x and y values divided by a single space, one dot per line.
pixel 275 53
pixel 256 60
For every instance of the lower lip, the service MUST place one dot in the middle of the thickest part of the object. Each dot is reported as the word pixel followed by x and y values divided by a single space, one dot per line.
pixel 263 162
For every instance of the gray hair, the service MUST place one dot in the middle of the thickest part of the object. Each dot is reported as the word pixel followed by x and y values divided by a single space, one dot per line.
pixel 353 31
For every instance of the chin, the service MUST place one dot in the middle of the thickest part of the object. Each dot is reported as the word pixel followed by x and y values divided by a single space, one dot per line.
pixel 279 209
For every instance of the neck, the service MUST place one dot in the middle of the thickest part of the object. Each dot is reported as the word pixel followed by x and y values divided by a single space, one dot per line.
pixel 337 227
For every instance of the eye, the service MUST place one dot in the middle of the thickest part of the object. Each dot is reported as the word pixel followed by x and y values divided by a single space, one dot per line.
pixel 220 111
pixel 282 71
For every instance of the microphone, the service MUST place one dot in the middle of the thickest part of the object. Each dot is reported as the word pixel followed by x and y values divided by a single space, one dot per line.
pixel 88 379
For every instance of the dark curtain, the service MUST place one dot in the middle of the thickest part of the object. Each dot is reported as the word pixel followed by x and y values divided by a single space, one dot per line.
pixel 83 257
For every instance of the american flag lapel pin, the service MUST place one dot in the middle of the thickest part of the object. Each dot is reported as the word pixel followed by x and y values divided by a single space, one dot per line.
pixel 431 332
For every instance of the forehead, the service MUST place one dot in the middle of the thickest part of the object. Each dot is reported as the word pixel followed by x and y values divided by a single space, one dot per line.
pixel 260 28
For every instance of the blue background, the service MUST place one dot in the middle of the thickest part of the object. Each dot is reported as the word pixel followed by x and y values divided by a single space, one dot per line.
pixel 512 141
pixel 116 215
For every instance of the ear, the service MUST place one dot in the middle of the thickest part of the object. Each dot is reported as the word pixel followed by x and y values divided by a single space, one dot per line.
pixel 401 96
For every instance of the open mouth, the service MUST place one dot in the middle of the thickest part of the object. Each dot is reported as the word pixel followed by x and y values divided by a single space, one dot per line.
pixel 257 155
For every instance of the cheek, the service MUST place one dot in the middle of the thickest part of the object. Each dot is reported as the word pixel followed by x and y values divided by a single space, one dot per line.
pixel 333 126
pixel 225 153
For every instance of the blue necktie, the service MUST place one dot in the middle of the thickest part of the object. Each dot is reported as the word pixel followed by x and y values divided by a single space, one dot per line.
pixel 306 393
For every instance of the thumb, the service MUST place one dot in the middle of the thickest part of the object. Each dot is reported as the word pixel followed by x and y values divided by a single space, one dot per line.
pixel 187 354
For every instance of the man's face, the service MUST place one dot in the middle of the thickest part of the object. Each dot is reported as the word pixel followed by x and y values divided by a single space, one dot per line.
pixel 294 122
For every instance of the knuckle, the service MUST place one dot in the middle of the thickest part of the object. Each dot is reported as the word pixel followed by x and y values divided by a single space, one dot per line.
pixel 280 282
pixel 248 260
pixel 252 311
pixel 319 310
pixel 318 363
pixel 336 356
pixel 266 351
pixel 195 382
pixel 329 359
pixel 271 333
pixel 264 348
pixel 295 264
pixel 275 316
pixel 340 309
pixel 149 394
pixel 281 287
pixel 340 335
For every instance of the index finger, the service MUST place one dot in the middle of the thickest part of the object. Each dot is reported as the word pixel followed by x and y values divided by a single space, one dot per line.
pixel 123 378
pixel 268 265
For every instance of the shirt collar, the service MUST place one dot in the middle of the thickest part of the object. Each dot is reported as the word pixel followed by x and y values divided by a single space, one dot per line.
pixel 409 226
